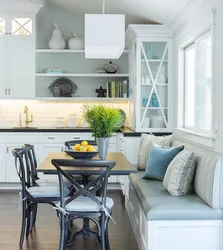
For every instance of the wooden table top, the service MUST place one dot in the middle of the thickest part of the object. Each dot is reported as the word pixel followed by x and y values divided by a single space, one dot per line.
pixel 122 167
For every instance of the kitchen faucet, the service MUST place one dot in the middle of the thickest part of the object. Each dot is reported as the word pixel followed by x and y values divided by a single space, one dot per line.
pixel 26 112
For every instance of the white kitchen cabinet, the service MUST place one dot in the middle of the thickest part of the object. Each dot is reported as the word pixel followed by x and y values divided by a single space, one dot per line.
pixel 151 77
pixel 16 140
pixel 2 163
pixel 44 143
pixel 45 149
pixel 12 175
pixel 77 136
pixel 17 55
pixel 132 148
pixel 21 66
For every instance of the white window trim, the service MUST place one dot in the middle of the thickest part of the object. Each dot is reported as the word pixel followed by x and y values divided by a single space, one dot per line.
pixel 207 139
pixel 181 131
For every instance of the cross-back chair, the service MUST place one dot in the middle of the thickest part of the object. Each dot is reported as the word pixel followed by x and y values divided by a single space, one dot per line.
pixel 84 203
pixel 30 195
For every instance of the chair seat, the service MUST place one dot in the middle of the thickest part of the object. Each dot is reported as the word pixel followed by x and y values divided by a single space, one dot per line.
pixel 47 191
pixel 85 204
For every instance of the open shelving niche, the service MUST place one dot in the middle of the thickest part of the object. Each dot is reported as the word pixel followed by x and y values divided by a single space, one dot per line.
pixel 80 70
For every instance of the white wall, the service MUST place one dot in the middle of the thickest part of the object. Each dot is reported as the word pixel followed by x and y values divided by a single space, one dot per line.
pixel 192 22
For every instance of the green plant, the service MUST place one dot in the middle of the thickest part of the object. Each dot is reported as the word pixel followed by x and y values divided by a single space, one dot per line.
pixel 103 120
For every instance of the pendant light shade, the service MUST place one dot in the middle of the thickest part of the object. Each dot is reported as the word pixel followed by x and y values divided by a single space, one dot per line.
pixel 104 36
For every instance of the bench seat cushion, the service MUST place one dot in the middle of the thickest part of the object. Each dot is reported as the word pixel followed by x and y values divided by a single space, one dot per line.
pixel 158 204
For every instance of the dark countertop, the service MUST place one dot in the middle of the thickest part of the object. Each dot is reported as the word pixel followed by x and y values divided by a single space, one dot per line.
pixel 126 131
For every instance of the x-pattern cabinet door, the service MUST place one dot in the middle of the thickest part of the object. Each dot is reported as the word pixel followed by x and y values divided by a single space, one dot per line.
pixel 153 79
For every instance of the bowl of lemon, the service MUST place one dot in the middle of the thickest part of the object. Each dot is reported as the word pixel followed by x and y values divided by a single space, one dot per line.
pixel 82 151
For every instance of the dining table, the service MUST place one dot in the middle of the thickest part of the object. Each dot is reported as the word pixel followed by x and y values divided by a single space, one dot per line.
pixel 122 167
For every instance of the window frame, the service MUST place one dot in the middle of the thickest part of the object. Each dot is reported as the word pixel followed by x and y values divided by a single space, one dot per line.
pixel 183 126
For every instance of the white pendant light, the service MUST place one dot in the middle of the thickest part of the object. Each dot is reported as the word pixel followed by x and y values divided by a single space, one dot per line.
pixel 104 35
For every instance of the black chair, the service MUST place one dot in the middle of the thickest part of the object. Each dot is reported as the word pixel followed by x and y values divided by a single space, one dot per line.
pixel 70 144
pixel 32 195
pixel 36 181
pixel 84 203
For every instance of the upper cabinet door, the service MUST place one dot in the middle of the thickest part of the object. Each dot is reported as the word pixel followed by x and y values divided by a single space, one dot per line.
pixel 21 57
pixel 3 65
pixel 153 85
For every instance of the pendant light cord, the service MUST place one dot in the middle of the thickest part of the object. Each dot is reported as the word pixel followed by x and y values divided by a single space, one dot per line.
pixel 103 6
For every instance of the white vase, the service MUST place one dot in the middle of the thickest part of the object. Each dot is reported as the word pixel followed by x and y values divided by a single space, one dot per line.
pixel 57 41
pixel 102 144
pixel 76 43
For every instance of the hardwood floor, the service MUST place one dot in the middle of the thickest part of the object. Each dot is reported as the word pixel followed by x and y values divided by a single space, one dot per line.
pixel 46 234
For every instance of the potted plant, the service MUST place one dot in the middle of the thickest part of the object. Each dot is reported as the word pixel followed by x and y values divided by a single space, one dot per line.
pixel 103 121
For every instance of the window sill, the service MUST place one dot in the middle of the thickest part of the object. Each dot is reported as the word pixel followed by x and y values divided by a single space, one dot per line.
pixel 195 137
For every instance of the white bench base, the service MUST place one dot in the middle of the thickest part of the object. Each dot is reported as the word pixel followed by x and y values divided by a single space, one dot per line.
pixel 172 235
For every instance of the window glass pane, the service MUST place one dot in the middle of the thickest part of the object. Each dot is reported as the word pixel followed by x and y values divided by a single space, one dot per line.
pixel 2 26
pixel 204 58
pixel 189 85
pixel 22 26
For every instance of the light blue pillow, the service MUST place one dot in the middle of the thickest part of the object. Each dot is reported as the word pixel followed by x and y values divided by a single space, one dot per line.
pixel 159 159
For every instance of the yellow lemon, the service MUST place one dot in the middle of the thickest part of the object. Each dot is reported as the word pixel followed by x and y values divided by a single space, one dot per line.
pixel 84 143
pixel 77 147
pixel 83 149
pixel 92 149
pixel 89 147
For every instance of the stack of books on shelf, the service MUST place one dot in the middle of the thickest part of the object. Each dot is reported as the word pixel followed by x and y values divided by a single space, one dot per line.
pixel 118 89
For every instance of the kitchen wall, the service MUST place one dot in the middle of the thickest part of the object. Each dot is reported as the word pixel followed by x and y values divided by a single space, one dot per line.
pixel 45 113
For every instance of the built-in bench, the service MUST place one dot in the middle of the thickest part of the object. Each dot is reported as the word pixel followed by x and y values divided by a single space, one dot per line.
pixel 193 222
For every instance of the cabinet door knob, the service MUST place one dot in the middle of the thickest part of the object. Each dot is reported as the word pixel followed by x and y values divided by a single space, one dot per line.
pixel 5 91
pixel 7 149
pixel 76 138
pixel 9 91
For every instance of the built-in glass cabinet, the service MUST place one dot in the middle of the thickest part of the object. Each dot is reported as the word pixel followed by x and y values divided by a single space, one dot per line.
pixel 152 82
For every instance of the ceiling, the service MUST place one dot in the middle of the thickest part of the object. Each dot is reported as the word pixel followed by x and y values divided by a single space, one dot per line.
pixel 136 11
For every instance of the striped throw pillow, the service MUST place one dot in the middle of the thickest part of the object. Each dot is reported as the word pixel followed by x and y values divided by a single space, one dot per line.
pixel 180 173
pixel 145 146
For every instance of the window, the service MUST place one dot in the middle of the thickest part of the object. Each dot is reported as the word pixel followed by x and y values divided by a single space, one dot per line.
pixel 2 26
pixel 22 26
pixel 197 84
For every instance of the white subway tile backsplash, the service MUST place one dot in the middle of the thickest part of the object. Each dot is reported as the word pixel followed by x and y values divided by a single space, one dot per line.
pixel 44 113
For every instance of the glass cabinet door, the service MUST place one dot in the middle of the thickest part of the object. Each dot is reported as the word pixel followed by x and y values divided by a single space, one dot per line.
pixel 2 26
pixel 153 78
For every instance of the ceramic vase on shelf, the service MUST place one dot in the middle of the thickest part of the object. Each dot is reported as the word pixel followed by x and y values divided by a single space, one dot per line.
pixel 76 43
pixel 102 144
pixel 57 41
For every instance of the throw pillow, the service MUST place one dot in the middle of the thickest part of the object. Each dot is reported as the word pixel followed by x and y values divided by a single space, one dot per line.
pixel 159 159
pixel 180 173
pixel 145 145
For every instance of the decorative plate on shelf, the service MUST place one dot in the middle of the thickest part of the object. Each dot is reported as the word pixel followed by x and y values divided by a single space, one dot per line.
pixel 122 122
pixel 67 87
